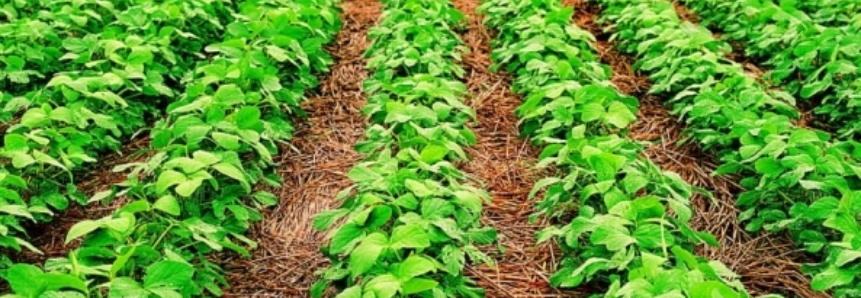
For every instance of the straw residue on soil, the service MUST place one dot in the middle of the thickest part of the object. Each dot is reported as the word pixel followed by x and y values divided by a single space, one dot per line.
pixel 505 165
pixel 314 171
pixel 768 263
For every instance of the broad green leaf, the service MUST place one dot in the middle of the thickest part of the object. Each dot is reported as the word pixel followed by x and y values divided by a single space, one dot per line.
pixel 433 153
pixel 232 171
pixel 418 285
pixel 187 188
pixel 125 287
pixel 351 292
pixel 168 204
pixel 832 277
pixel 418 188
pixel 366 253
pixel 383 286
pixel 619 115
pixel 82 228
pixel 167 179
pixel 227 141
pixel 17 210
pixel 168 274
pixel 614 239
pixel 409 236
pixel 346 235
pixel 413 266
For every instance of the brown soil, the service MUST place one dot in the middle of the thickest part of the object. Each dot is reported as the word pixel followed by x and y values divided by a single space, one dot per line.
pixel 313 172
pixel 504 163
pixel 49 238
pixel 768 263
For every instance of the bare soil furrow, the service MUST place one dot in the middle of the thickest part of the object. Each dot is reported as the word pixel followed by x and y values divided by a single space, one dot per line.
pixel 314 170
pixel 505 164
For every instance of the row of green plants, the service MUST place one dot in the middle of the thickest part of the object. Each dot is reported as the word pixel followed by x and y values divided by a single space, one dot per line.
pixel 796 179
pixel 212 159
pixel 77 78
pixel 833 12
pixel 411 221
pixel 630 236
pixel 816 63
pixel 72 90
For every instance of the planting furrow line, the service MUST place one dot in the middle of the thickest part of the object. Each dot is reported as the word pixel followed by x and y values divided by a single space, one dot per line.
pixel 796 179
pixel 411 221
pixel 813 62
pixel 196 195
pixel 503 162
pixel 313 173
pixel 623 238
pixel 75 84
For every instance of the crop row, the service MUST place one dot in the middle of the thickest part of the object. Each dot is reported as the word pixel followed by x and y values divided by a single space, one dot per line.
pixel 796 179
pixel 624 236
pixel 833 12
pixel 411 221
pixel 76 77
pixel 811 61
pixel 196 195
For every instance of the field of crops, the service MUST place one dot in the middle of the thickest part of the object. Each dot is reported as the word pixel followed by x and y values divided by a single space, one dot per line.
pixel 430 148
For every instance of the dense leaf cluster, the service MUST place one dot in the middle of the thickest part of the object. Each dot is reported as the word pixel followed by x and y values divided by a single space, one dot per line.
pixel 812 61
pixel 832 12
pixel 411 221
pixel 630 233
pixel 196 195
pixel 796 179
pixel 76 77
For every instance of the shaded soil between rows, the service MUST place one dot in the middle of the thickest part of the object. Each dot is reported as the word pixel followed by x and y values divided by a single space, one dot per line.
pixel 49 237
pixel 767 263
pixel 505 165
pixel 313 171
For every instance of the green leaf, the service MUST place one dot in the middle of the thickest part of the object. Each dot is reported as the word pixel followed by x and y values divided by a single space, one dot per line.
pixel 832 277
pixel 168 274
pixel 418 285
pixel 383 286
pixel 366 253
pixel 229 95
pixel 82 228
pixel 361 174
pixel 21 278
pixel 653 236
pixel 187 188
pixel 614 239
pixel 413 266
pixel 346 235
pixel 18 210
pixel 418 188
pixel 846 256
pixel 325 219
pixel 247 117
pixel 409 236
pixel 433 153
pixel 125 287
pixel 227 141
pixel 20 159
pixel 351 292
pixel 619 115
pixel 713 289
pixel 591 112
pixel 232 171
pixel 167 179
pixel 168 204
